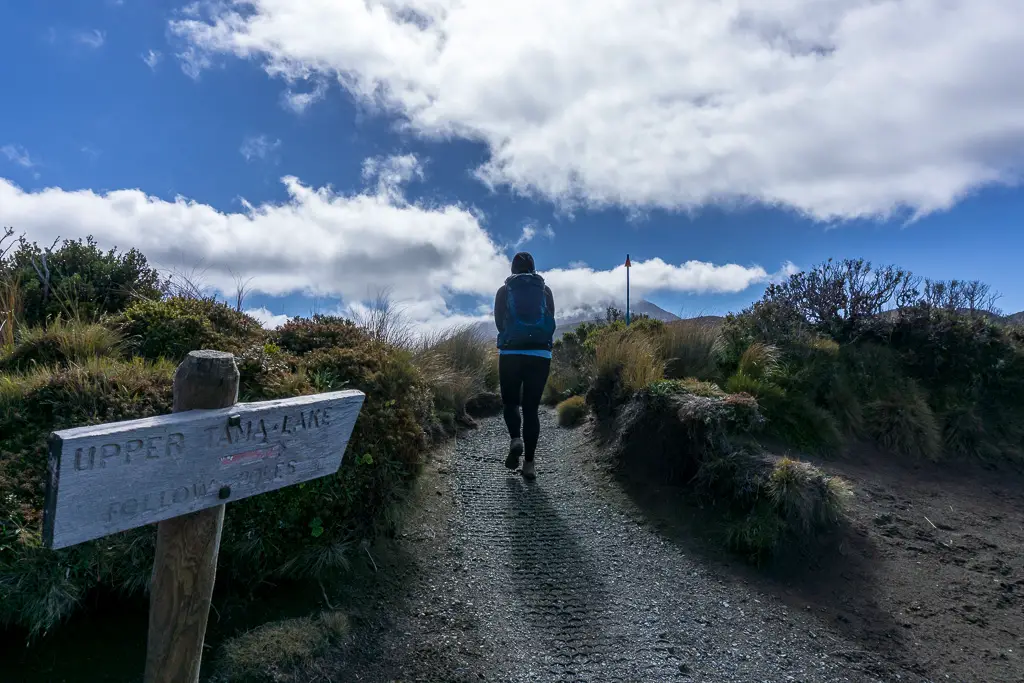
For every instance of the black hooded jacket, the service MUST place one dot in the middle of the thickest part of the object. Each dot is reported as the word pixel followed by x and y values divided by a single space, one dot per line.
pixel 522 263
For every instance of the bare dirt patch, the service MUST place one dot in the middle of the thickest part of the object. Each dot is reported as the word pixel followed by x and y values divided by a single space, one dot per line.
pixel 927 576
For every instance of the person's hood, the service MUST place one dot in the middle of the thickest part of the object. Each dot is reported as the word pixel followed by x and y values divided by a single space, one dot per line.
pixel 523 263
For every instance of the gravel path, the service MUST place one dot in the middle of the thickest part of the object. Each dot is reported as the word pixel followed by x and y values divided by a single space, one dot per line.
pixel 550 581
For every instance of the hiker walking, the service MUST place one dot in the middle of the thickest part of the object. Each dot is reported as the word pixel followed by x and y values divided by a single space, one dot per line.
pixel 524 312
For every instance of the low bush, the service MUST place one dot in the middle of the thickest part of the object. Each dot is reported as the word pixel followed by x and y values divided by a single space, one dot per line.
pixel 38 587
pixel 307 531
pixel 572 411
pixel 171 328
pixel 775 505
pixel 694 434
pixel 564 383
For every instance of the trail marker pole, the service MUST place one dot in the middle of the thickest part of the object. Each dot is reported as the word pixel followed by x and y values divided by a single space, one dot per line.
pixel 628 266
pixel 179 471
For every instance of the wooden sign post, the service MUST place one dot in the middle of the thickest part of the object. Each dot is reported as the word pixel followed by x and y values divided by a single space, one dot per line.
pixel 179 471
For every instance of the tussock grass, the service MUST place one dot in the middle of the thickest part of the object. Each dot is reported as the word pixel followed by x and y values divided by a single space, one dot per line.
pixel 11 300
pixel 273 651
pixel 903 422
pixel 805 496
pixel 458 364
pixel 572 411
pixel 61 343
pixel 634 358
pixel 774 505
pixel 691 349
pixel 760 361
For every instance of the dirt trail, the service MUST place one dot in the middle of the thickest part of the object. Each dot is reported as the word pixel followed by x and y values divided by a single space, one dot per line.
pixel 553 581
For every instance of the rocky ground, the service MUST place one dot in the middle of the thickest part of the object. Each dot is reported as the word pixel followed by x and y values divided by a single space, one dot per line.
pixel 584 576
pixel 563 579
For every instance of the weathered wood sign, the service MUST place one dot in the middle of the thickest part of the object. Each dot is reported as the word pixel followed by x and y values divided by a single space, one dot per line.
pixel 118 476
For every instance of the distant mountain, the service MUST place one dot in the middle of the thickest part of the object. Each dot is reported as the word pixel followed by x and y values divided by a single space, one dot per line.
pixel 1015 319
pixel 592 313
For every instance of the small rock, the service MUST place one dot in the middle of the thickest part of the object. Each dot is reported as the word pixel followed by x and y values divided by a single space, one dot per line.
pixel 684 668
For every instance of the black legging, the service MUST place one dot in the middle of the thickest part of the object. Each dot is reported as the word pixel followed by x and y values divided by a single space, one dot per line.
pixel 523 376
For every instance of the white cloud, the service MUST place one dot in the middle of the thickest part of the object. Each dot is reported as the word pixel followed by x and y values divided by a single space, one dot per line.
pixel 94 38
pixel 152 58
pixel 299 102
pixel 324 243
pixel 835 108
pixel 269 320
pixel 391 173
pixel 577 287
pixel 530 231
pixel 18 155
pixel 194 62
pixel 258 147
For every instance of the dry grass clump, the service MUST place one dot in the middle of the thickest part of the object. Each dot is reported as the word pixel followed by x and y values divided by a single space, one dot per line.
pixel 691 349
pixel 572 411
pixel 458 364
pixel 61 343
pixel 633 358
pixel 273 652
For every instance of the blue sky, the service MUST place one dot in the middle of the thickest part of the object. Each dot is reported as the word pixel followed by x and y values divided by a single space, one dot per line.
pixel 443 130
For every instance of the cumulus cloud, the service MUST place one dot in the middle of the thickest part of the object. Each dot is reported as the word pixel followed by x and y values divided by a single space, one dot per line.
pixel 269 320
pixel 258 147
pixel 834 108
pixel 584 286
pixel 324 243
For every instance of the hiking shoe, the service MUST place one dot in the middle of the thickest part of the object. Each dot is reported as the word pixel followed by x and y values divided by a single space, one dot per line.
pixel 515 451
pixel 529 470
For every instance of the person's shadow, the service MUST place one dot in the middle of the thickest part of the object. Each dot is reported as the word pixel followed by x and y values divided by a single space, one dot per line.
pixel 552 576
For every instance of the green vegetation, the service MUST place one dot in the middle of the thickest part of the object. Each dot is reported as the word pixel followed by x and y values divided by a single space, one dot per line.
pixel 838 354
pixel 67 367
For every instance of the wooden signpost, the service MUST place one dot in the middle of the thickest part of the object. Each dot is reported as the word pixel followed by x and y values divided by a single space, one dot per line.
pixel 178 471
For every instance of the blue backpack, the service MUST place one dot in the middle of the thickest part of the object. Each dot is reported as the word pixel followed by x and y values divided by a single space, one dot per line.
pixel 528 322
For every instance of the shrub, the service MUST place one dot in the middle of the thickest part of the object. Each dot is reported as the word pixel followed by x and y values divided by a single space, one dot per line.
pixel 83 282
pixel 668 431
pixel 40 587
pixel 171 328
pixel 691 349
pixel 61 343
pixel 309 530
pixel 791 416
pixel 625 362
pixel 572 411
pixel 302 335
